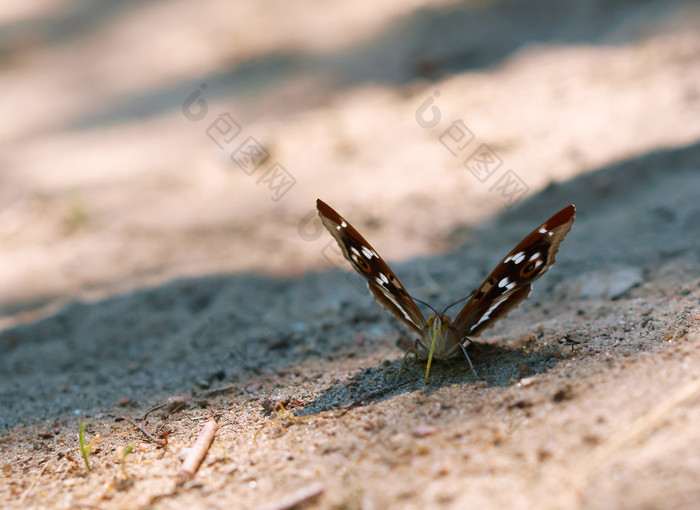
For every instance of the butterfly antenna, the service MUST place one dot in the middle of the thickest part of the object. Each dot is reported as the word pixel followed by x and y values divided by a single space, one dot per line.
pixel 458 302
pixel 424 303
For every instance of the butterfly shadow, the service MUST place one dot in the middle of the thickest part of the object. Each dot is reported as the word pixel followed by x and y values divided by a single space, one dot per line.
pixel 497 365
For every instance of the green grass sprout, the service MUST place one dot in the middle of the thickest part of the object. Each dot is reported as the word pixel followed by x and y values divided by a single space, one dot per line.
pixel 84 449
pixel 127 451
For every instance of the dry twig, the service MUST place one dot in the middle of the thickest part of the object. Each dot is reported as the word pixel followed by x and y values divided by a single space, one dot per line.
pixel 150 437
pixel 217 391
pixel 298 498
pixel 625 436
pixel 196 455
pixel 26 493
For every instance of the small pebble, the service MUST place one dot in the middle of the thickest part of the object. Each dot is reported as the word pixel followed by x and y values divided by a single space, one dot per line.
pixel 424 430
pixel 253 387
pixel 527 381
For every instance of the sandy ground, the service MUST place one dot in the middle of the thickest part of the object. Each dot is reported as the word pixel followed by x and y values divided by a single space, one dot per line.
pixel 150 257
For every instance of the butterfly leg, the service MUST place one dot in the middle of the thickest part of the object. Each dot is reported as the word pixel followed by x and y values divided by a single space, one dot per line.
pixel 405 357
pixel 472 342
pixel 464 350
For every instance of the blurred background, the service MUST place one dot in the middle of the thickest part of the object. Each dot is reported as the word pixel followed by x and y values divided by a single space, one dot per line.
pixel 159 167
pixel 142 141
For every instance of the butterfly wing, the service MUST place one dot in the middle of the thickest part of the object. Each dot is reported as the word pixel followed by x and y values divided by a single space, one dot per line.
pixel 381 281
pixel 510 283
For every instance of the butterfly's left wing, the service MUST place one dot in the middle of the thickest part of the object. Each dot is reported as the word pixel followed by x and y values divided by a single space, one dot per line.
pixel 382 282
pixel 510 283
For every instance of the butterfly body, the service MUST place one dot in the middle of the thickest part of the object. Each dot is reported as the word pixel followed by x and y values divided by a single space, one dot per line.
pixel 447 339
pixel 509 284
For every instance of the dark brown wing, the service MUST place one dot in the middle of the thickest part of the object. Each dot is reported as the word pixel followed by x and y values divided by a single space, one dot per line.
pixel 381 281
pixel 511 282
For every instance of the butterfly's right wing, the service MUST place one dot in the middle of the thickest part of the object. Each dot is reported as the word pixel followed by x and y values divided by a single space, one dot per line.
pixel 381 281
pixel 510 283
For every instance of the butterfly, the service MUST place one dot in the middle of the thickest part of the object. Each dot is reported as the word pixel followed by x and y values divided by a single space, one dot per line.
pixel 508 285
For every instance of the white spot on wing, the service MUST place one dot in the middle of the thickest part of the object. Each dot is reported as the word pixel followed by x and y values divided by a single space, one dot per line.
pixel 405 314
pixel 382 279
pixel 337 227
pixel 368 253
pixel 506 283
pixel 488 313
pixel 354 250
pixel 534 256
pixel 518 257
pixel 542 230
pixel 343 224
